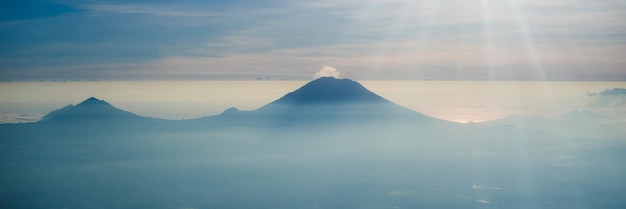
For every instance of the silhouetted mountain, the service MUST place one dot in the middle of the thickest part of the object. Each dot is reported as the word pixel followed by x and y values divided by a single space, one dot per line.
pixel 90 109
pixel 329 90
pixel 325 100
pixel 97 117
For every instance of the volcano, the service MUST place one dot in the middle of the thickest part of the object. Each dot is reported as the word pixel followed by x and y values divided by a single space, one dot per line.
pixel 91 109
pixel 326 100
pixel 330 90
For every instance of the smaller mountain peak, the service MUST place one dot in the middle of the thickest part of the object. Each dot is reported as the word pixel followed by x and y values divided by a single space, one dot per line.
pixel 93 101
pixel 89 109
pixel 230 110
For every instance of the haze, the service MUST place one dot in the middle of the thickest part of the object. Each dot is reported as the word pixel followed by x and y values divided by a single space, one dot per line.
pixel 330 143
pixel 460 101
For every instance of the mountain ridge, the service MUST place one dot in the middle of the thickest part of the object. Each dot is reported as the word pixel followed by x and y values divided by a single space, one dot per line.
pixel 89 110
pixel 325 99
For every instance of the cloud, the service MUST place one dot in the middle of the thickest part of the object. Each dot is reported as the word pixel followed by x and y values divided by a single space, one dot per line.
pixel 483 201
pixel 485 187
pixel 19 118
pixel 402 193
pixel 327 71
pixel 610 98
pixel 149 9
pixel 613 92
pixel 392 39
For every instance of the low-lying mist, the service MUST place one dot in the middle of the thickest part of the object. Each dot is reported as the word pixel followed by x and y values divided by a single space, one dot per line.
pixel 380 165
pixel 318 152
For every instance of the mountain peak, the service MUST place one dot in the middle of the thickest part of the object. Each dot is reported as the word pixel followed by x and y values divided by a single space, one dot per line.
pixel 91 108
pixel 328 90
pixel 329 99
pixel 93 101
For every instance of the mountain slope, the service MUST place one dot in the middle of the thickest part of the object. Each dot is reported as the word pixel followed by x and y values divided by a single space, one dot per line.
pixel 329 90
pixel 323 101
pixel 97 117
pixel 89 110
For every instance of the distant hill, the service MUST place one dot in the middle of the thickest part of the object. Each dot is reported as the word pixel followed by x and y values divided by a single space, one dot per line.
pixel 90 109
pixel 95 114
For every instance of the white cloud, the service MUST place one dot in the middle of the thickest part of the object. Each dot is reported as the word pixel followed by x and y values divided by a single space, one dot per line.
pixel 151 9
pixel 19 118
pixel 483 201
pixel 327 71
pixel 485 187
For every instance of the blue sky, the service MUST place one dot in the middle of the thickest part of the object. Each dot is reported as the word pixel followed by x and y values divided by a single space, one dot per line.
pixel 376 39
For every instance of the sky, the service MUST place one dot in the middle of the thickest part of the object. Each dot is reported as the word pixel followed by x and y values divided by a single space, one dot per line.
pixel 280 39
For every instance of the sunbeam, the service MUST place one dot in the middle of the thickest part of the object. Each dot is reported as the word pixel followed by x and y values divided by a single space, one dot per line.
pixel 537 69
pixel 488 52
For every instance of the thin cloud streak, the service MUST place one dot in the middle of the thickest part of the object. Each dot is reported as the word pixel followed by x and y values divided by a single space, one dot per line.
pixel 161 10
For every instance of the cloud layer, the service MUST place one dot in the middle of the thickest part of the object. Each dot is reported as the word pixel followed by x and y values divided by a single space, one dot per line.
pixel 19 118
